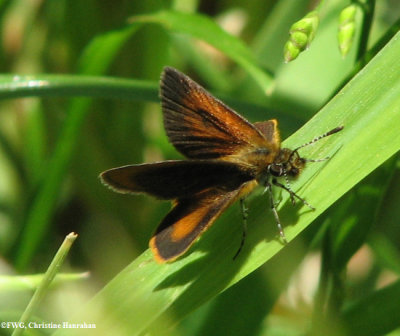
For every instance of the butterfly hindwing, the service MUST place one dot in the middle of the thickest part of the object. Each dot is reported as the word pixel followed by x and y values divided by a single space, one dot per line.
pixel 187 220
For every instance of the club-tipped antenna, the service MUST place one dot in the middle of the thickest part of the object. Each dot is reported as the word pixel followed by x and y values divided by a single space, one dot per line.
pixel 333 131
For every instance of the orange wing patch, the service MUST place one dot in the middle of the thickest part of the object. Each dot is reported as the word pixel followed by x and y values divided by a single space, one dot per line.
pixel 189 219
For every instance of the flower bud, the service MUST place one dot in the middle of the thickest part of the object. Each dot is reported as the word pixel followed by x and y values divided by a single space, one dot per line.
pixel 346 28
pixel 301 34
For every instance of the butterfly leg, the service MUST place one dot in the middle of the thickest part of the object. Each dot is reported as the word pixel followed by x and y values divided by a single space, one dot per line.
pixel 245 214
pixel 292 194
pixel 275 212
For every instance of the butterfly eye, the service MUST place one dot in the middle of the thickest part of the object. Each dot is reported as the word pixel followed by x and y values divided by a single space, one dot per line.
pixel 277 169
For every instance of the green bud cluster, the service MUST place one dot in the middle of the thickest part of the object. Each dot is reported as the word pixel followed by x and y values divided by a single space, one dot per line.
pixel 301 34
pixel 346 28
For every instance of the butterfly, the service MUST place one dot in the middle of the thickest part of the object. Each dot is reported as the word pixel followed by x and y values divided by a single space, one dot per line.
pixel 227 158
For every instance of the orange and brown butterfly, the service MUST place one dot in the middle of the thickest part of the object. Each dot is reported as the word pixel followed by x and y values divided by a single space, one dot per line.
pixel 227 157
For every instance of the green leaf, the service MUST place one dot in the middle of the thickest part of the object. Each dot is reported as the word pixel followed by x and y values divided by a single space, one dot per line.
pixel 374 315
pixel 203 28
pixel 16 86
pixel 38 219
pixel 368 107
pixel 19 283
pixel 46 281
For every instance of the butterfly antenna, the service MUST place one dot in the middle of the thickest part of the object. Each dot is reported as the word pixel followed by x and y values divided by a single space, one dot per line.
pixel 335 130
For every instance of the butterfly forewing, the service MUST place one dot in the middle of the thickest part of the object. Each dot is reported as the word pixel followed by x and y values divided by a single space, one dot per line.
pixel 177 179
pixel 202 127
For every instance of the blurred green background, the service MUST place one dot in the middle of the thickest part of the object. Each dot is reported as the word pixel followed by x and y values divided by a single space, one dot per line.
pixel 60 127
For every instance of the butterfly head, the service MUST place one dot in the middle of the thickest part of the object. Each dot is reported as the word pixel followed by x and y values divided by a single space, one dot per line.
pixel 287 163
